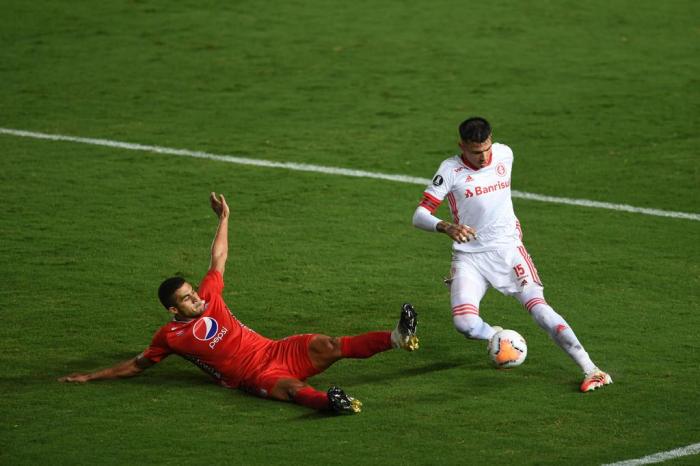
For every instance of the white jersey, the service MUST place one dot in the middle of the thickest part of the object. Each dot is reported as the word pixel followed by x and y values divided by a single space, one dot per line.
pixel 479 198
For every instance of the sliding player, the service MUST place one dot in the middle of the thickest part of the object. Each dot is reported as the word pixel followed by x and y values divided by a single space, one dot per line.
pixel 204 331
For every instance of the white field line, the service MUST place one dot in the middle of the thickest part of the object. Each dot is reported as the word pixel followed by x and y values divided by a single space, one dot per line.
pixel 336 171
pixel 693 449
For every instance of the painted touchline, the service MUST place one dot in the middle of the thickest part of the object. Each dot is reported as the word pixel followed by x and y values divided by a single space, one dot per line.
pixel 336 171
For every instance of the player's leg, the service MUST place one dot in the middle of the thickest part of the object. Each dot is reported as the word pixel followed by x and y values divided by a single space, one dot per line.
pixel 284 372
pixel 555 325
pixel 532 298
pixel 324 350
pixel 335 399
pixel 521 280
pixel 467 287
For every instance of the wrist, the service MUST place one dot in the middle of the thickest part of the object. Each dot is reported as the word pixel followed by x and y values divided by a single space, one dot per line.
pixel 442 226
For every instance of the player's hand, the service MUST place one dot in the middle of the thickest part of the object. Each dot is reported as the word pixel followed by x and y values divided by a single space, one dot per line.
pixel 459 233
pixel 219 205
pixel 75 377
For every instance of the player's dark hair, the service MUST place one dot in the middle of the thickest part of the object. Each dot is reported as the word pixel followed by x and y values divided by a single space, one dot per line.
pixel 475 129
pixel 167 289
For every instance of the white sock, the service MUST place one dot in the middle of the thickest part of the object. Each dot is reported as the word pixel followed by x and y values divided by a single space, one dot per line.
pixel 559 330
pixel 473 326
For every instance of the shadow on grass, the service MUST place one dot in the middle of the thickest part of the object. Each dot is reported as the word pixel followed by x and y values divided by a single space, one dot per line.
pixel 402 373
pixel 381 377
pixel 173 372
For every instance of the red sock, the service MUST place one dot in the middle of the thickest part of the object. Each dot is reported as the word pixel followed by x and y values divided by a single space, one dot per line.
pixel 312 398
pixel 365 345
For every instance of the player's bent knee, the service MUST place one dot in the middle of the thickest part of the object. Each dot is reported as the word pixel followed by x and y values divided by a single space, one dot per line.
pixel 325 346
pixel 466 325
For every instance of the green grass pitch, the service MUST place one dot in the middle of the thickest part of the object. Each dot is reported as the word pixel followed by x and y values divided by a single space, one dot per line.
pixel 599 100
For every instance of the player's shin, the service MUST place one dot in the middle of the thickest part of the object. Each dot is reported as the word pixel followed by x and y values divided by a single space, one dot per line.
pixel 365 345
pixel 312 398
pixel 559 330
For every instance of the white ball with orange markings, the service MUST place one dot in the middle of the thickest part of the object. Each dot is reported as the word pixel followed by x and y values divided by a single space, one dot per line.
pixel 507 348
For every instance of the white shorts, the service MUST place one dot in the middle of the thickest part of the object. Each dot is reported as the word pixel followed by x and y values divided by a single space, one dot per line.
pixel 509 270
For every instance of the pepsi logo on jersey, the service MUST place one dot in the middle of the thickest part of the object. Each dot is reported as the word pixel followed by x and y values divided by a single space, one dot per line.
pixel 205 328
pixel 218 338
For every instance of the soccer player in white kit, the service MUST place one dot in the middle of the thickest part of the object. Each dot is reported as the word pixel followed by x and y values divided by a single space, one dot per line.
pixel 488 248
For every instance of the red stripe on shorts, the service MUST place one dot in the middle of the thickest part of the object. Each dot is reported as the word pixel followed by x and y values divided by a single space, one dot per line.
pixel 530 265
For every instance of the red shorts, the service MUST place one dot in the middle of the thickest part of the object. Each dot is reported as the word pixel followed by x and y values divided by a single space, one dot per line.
pixel 284 359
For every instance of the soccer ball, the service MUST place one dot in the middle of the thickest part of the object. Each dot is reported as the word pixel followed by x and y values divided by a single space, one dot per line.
pixel 507 348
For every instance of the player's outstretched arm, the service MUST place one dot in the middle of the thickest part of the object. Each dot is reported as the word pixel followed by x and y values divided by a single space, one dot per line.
pixel 128 368
pixel 219 248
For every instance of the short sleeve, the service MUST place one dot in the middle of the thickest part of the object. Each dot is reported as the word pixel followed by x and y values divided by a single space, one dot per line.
pixel 212 285
pixel 507 151
pixel 159 348
pixel 438 188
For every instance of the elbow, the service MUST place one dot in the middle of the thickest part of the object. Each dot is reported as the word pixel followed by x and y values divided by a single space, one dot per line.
pixel 219 257
pixel 415 221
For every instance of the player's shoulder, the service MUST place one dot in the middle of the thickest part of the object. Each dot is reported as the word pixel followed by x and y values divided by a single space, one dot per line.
pixel 214 274
pixel 450 164
pixel 161 333
pixel 502 151
pixel 213 282
pixel 448 168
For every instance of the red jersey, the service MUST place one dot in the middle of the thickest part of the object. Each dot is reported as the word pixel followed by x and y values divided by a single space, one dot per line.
pixel 216 341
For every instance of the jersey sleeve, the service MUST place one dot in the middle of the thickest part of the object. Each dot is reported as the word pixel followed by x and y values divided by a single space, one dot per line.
pixel 212 285
pixel 159 348
pixel 437 189
pixel 507 152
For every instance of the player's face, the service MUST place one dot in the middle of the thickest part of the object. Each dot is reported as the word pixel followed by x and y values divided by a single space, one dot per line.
pixel 477 154
pixel 188 302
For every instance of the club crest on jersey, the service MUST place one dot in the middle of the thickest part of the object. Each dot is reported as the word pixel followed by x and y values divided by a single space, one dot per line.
pixel 469 178
pixel 205 328
pixel 501 169
pixel 437 181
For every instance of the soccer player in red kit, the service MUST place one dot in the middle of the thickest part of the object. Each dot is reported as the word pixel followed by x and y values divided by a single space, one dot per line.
pixel 204 332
